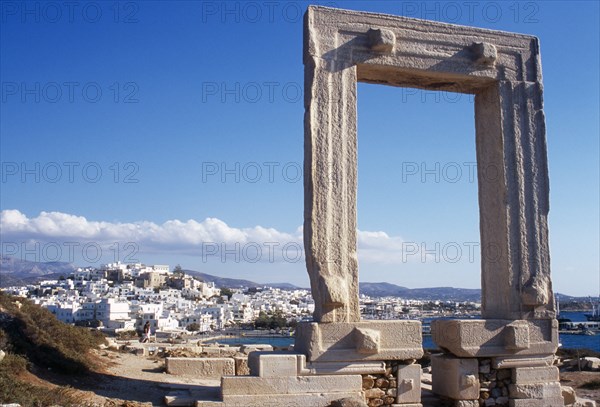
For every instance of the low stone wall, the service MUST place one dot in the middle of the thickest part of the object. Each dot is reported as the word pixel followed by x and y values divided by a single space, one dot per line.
pixel 494 384
pixel 202 361
pixel 238 355
pixel 201 367
pixel 384 389
pixel 380 390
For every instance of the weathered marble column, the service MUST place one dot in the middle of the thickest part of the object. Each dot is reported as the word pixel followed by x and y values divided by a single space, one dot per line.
pixel 330 169
pixel 513 197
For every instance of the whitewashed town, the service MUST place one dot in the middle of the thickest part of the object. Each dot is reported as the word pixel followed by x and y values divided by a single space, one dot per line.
pixel 119 297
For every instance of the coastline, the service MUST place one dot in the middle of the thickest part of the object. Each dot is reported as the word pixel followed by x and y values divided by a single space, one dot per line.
pixel 236 335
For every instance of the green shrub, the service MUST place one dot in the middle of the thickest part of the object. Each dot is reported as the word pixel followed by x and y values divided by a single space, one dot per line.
pixel 34 332
pixel 193 327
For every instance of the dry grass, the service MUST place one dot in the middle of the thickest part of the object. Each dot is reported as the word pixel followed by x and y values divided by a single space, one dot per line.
pixel 16 388
pixel 34 339
pixel 32 331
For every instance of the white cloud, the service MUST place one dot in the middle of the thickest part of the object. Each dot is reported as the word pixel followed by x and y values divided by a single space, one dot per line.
pixel 380 248
pixel 185 237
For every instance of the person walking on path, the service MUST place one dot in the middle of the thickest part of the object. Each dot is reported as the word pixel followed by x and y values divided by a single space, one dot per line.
pixel 146 336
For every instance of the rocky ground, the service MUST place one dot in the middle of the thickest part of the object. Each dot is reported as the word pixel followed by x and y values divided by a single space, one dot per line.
pixel 580 381
pixel 127 380
pixel 143 379
pixel 124 380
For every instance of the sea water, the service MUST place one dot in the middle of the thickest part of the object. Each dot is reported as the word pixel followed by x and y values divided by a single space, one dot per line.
pixel 568 341
pixel 577 341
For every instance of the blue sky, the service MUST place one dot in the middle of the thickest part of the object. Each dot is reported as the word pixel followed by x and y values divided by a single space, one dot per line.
pixel 171 132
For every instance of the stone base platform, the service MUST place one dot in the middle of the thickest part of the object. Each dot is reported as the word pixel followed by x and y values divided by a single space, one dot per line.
pixel 284 379
pixel 280 400
pixel 496 337
pixel 359 341
pixel 472 382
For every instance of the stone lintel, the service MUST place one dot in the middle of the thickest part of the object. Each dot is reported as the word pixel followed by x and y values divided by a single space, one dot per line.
pixel 496 337
pixel 395 41
pixel 337 342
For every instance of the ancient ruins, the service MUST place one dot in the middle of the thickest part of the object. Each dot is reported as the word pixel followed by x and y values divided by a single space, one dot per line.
pixel 339 356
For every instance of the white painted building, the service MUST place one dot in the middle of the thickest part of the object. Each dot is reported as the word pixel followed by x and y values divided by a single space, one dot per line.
pixel 110 309
pixel 66 312
pixel 205 322
pixel 218 315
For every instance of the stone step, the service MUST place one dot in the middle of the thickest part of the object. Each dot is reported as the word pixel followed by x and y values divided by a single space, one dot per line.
pixel 428 399
pixel 188 397
pixel 281 400
pixel 263 386
pixel 180 398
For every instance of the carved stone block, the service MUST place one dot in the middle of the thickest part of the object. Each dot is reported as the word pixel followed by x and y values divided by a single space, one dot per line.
pixel 409 384
pixel 367 340
pixel 347 342
pixel 516 335
pixel 455 378
pixel 495 337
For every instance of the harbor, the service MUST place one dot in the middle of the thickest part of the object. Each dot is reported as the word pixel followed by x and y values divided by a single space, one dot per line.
pixel 569 338
pixel 576 331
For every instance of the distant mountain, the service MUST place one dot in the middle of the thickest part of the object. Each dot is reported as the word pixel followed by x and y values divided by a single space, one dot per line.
pixel 14 271
pixel 446 294
pixel 565 298
pixel 7 280
pixel 222 282
pixel 381 289
pixel 285 286
pixel 370 289
pixel 434 293
pixel 237 283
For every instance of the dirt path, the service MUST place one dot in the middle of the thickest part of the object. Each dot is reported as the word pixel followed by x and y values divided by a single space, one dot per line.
pixel 129 380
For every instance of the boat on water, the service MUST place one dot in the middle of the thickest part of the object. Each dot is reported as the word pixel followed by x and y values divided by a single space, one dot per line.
pixel 567 326
pixel 595 314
